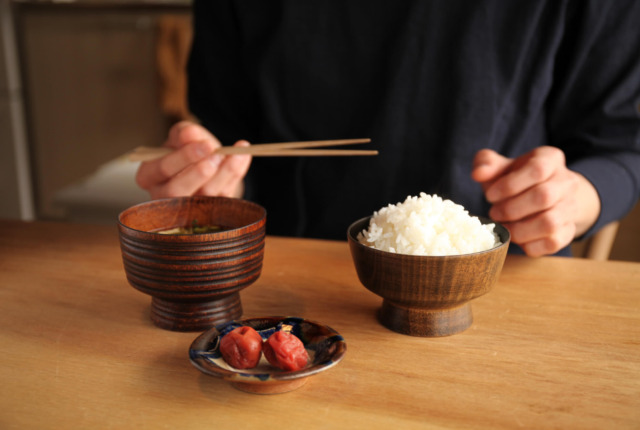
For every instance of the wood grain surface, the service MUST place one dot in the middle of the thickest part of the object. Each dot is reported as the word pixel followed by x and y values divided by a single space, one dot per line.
pixel 556 344
pixel 194 279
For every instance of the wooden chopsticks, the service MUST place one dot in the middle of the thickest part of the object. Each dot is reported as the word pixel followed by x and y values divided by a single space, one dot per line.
pixel 281 149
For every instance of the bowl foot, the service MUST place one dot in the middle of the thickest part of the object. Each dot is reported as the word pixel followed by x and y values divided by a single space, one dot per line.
pixel 195 316
pixel 425 322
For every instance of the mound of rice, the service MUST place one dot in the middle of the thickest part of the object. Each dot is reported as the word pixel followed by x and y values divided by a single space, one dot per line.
pixel 428 225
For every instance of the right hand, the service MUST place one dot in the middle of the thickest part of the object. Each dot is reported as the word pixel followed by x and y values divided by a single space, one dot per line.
pixel 193 168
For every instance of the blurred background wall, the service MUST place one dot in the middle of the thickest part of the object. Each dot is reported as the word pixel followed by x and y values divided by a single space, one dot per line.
pixel 83 82
pixel 15 175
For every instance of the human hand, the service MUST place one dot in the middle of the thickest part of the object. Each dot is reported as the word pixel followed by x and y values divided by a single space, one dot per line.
pixel 193 168
pixel 542 203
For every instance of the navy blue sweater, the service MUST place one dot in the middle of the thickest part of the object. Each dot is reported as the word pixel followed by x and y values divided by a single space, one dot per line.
pixel 431 83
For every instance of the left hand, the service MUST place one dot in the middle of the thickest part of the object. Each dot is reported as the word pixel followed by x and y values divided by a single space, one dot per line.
pixel 542 203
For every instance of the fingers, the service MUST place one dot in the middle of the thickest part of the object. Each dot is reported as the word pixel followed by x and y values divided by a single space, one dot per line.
pixel 193 167
pixel 542 234
pixel 186 132
pixel 488 166
pixel 153 173
pixel 228 180
pixel 193 145
pixel 214 175
pixel 540 197
pixel 187 181
pixel 173 140
pixel 534 196
pixel 525 172
pixel 535 182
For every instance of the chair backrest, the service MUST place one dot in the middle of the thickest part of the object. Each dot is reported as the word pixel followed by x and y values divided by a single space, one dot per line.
pixel 598 246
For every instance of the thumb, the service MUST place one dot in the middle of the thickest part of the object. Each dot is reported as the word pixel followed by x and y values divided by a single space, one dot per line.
pixel 488 166
pixel 186 132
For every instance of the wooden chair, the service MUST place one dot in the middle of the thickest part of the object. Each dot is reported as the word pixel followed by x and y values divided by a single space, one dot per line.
pixel 598 246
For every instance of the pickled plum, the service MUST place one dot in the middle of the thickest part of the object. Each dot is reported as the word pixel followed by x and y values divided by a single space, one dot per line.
pixel 285 351
pixel 241 348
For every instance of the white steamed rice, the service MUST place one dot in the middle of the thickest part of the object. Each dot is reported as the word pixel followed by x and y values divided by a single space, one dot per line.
pixel 428 225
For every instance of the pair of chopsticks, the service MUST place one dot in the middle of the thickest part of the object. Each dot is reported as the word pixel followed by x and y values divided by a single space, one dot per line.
pixel 282 149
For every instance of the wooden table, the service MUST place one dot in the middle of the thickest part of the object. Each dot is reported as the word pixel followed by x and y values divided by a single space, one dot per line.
pixel 555 345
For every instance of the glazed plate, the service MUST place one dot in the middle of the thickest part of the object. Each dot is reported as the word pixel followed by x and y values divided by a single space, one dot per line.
pixel 325 346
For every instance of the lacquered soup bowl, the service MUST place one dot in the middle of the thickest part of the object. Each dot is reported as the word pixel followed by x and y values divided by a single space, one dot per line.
pixel 194 279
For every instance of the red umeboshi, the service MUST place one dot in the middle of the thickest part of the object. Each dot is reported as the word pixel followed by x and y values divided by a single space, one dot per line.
pixel 285 351
pixel 241 347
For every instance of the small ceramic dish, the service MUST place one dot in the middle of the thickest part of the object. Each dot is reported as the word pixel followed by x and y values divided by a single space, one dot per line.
pixel 325 346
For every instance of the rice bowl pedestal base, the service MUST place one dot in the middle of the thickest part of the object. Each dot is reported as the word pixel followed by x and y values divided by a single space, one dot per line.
pixel 425 322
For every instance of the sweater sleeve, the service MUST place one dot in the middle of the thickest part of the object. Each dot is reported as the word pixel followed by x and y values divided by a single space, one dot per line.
pixel 594 104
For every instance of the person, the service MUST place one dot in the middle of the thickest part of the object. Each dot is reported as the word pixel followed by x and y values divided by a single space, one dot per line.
pixel 526 112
